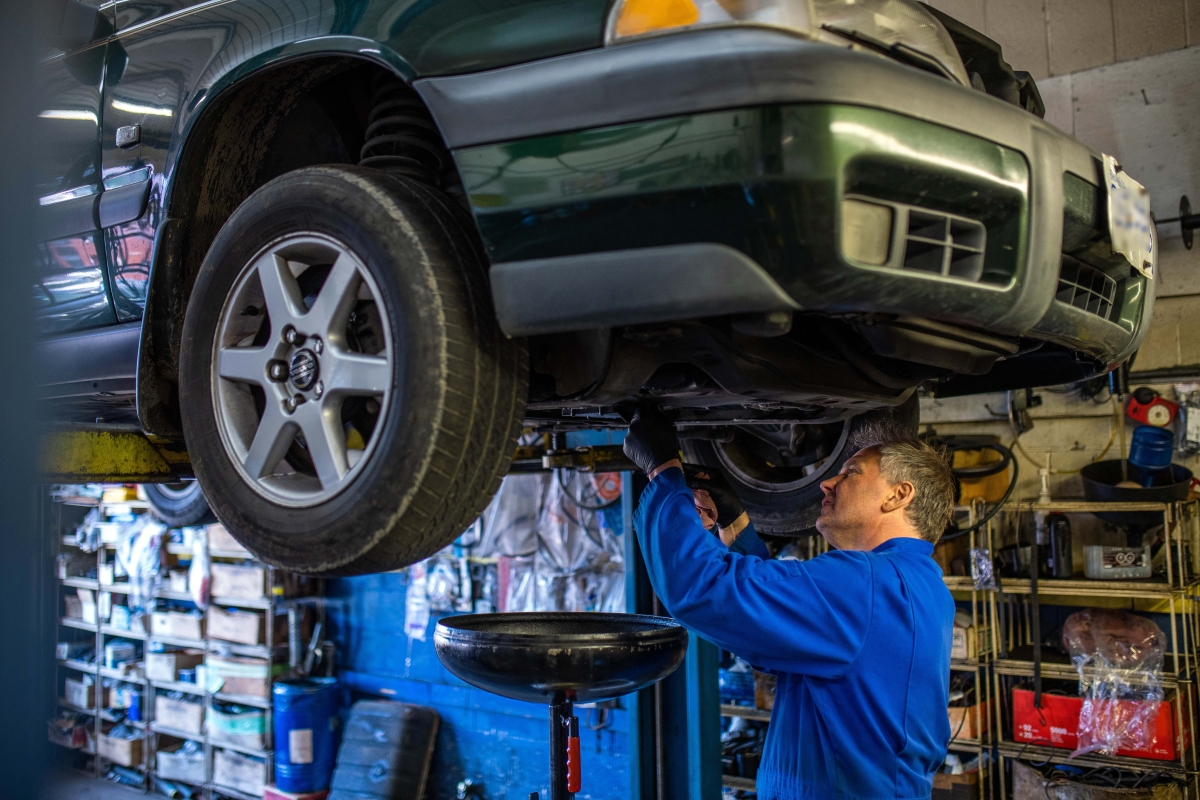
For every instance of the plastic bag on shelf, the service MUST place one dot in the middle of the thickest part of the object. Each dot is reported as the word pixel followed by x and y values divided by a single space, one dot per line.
pixel 139 552
pixel 200 572
pixel 1119 657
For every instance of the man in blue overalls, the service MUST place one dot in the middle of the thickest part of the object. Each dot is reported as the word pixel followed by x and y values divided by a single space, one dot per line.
pixel 859 638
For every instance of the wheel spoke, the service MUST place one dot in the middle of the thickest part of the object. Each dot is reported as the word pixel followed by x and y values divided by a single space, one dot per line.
pixel 329 312
pixel 245 364
pixel 356 373
pixel 280 291
pixel 271 441
pixel 326 443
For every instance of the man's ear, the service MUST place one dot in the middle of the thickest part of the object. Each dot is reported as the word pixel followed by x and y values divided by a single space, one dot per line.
pixel 899 497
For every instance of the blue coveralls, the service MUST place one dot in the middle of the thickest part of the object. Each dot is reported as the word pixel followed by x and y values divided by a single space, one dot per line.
pixel 859 642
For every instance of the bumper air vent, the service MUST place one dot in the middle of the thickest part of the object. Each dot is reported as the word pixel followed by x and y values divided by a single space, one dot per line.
pixel 1086 288
pixel 903 237
pixel 944 245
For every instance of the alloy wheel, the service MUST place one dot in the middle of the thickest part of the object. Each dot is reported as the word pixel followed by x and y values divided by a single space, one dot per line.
pixel 302 369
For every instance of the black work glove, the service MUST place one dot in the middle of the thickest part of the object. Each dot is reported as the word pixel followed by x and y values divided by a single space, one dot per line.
pixel 651 441
pixel 729 505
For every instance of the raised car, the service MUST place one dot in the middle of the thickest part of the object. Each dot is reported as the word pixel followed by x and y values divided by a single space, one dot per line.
pixel 339 255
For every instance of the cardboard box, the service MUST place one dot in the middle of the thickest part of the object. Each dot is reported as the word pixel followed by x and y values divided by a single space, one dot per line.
pixel 124 697
pixel 241 582
pixel 1061 725
pixel 967 722
pixel 72 608
pixel 221 539
pixel 87 603
pixel 118 652
pixel 240 676
pixel 246 729
pixel 970 643
pixel 176 765
pixel 166 666
pixel 65 651
pixel 1029 785
pixel 243 627
pixel 119 494
pixel 764 691
pixel 126 752
pixel 175 623
pixel 81 694
pixel 177 580
pixel 74 565
pixel 179 714
pixel 71 736
pixel 107 574
pixel 956 787
pixel 244 773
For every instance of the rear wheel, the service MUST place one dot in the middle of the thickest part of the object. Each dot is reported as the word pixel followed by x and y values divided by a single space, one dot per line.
pixel 777 470
pixel 347 396
pixel 178 504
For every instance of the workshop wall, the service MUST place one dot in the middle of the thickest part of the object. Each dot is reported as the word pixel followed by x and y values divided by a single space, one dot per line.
pixel 500 745
pixel 1146 113
pixel 1055 37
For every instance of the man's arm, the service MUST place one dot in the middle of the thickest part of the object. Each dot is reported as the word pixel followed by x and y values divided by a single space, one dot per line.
pixel 744 540
pixel 783 615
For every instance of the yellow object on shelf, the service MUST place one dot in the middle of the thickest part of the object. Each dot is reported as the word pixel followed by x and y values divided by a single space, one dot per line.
pixel 119 494
pixel 990 489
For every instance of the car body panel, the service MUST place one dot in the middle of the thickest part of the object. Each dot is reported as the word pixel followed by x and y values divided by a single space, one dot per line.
pixel 515 82
pixel 767 182
pixel 72 289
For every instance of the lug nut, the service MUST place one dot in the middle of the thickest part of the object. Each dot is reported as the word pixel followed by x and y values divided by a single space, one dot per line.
pixel 277 371
pixel 318 346
pixel 289 404
pixel 319 389
pixel 293 336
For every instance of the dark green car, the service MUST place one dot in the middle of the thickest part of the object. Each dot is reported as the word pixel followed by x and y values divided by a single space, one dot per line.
pixel 344 251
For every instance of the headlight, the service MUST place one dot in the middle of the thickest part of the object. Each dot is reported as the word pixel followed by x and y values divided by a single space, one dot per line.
pixel 899 28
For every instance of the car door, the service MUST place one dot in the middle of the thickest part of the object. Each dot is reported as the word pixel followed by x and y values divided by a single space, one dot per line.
pixel 71 292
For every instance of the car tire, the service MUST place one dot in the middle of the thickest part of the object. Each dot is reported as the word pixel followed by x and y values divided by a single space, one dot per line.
pixel 178 505
pixel 780 511
pixel 406 335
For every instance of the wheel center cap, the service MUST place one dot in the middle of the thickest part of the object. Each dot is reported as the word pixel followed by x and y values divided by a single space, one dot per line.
pixel 303 369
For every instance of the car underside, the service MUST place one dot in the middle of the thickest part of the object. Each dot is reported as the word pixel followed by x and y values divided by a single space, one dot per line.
pixel 359 288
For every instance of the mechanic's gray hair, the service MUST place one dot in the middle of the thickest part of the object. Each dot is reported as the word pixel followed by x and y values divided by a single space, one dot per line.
pixel 905 458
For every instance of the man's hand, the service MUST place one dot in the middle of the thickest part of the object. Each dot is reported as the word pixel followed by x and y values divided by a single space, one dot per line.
pixel 651 441
pixel 708 479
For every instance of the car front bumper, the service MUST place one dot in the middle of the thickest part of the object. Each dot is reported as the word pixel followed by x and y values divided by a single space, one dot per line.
pixel 751 140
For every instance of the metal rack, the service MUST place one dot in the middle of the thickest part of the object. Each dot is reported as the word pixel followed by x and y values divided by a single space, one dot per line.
pixel 1172 597
pixel 984 618
pixel 271 606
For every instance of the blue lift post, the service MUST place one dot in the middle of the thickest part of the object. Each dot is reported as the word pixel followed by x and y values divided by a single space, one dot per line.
pixel 675 725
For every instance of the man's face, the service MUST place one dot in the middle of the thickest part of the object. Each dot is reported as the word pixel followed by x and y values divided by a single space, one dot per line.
pixel 854 500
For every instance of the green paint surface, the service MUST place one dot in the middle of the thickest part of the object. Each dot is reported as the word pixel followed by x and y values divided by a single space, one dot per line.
pixel 767 181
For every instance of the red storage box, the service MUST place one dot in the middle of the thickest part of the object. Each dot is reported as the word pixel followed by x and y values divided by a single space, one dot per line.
pixel 1061 727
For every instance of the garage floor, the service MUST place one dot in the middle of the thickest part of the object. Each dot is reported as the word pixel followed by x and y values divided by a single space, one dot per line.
pixel 67 785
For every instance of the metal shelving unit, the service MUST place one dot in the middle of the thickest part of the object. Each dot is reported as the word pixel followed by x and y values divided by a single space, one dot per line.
pixel 1172 596
pixel 982 714
pixel 270 606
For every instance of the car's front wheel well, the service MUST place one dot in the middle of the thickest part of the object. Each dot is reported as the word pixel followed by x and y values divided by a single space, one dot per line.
pixel 301 113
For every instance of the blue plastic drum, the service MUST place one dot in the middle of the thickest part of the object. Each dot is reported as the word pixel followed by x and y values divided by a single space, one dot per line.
pixel 306 728
pixel 1152 448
